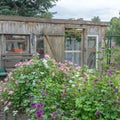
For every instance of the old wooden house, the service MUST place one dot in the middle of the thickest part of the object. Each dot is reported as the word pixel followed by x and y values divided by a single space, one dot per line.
pixel 74 40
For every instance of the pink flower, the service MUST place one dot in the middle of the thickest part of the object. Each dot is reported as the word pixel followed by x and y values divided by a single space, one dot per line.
pixel 5 79
pixel 10 92
pixel 10 74
pixel 53 74
pixel 19 64
pixel 4 89
pixel 0 89
pixel 109 71
pixel 9 104
pixel 47 56
pixel 16 82
pixel 29 62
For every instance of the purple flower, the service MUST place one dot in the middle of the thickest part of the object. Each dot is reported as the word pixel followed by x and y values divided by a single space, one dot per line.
pixel 118 102
pixel 54 114
pixel 52 119
pixel 38 105
pixel 74 119
pixel 43 93
pixel 102 48
pixel 116 90
pixel 97 112
pixel 109 70
pixel 95 87
pixel 84 89
pixel 39 113
pixel 96 80
pixel 32 105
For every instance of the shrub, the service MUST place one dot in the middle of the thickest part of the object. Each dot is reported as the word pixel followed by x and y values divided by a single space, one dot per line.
pixel 50 90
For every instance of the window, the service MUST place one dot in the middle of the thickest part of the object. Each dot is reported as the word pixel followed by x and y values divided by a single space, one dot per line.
pixel 40 45
pixel 92 48
pixel 72 50
pixel 17 43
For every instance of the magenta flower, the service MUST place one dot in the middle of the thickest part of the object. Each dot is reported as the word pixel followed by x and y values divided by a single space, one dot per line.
pixel 52 119
pixel 32 105
pixel 96 80
pixel 38 106
pixel 116 90
pixel 74 119
pixel 97 112
pixel 39 114
pixel 10 92
pixel 109 71
pixel 54 114
pixel 95 87
pixel 118 102
pixel 43 93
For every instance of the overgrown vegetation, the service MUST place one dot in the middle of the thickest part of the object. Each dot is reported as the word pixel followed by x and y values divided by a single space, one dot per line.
pixel 49 90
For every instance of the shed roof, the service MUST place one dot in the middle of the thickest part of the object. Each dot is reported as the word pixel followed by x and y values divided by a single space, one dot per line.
pixel 53 21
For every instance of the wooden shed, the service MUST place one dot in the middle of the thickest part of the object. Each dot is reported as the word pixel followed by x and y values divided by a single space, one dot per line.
pixel 73 40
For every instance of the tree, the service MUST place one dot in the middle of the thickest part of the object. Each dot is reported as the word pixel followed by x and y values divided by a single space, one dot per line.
pixel 114 29
pixel 28 8
pixel 95 19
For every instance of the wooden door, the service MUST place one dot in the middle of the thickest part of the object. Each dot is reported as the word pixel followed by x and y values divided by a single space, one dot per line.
pixel 54 46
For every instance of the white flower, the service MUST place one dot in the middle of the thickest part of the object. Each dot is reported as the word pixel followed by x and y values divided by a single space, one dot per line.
pixel 15 112
pixel 77 75
pixel 41 73
pixel 45 63
pixel 6 108
pixel 73 85
pixel 33 82
pixel 70 81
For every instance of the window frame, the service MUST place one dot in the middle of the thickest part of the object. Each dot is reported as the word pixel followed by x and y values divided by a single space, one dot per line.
pixel 28 43
pixel 93 49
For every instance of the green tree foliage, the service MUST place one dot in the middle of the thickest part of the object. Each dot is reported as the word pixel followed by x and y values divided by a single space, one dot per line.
pixel 114 29
pixel 28 8
pixel 96 19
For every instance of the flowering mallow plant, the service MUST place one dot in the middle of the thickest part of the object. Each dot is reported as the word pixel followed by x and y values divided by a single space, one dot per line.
pixel 49 90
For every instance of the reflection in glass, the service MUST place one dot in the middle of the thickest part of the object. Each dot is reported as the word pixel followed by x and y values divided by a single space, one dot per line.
pixel 73 57
pixel 91 42
pixel 40 45
pixel 17 43
pixel 69 56
pixel 91 59
pixel 72 44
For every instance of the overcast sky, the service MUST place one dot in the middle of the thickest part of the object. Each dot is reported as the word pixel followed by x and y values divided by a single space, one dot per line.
pixel 87 9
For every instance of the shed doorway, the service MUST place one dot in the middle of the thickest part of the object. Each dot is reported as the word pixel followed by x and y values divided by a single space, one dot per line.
pixel 73 45
pixel 92 49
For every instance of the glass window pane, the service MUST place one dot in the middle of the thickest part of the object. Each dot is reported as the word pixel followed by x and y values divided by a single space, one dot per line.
pixel 69 44
pixel 77 58
pixel 91 60
pixel 17 43
pixel 91 42
pixel 77 45
pixel 40 45
pixel 69 56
